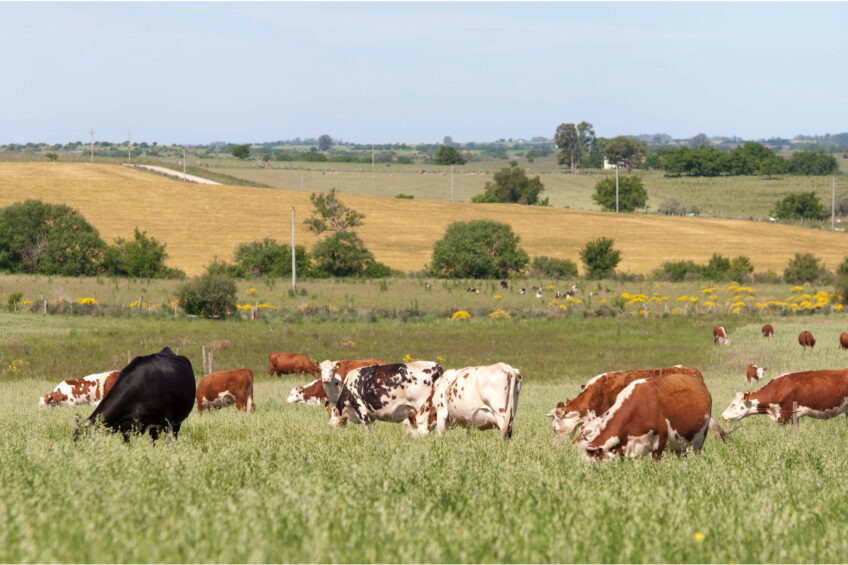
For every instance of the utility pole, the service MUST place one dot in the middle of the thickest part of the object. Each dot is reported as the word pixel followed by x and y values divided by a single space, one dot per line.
pixel 451 182
pixel 294 276
pixel 616 185
pixel 372 159
pixel 129 146
pixel 92 144
pixel 184 165
pixel 833 204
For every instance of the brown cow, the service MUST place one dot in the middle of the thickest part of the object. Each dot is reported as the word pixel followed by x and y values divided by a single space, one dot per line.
pixel 312 394
pixel 754 373
pixel 819 394
pixel 650 415
pixel 224 388
pixel 84 390
pixel 297 363
pixel 768 331
pixel 599 394
pixel 333 374
pixel 720 335
pixel 843 340
pixel 806 339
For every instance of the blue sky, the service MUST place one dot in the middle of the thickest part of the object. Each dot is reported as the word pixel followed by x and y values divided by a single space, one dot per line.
pixel 415 72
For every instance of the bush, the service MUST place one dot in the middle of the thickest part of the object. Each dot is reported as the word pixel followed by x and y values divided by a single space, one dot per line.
pixel 677 271
pixel 211 296
pixel 552 268
pixel 716 269
pixel 405 196
pixel 811 163
pixel 342 254
pixel 631 193
pixel 143 257
pixel 805 206
pixel 840 289
pixel 447 155
pixel 599 258
pixel 269 258
pixel 672 207
pixel 480 249
pixel 740 269
pixel 511 184
pixel 803 268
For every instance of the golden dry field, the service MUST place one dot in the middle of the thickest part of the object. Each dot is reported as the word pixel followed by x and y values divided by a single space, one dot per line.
pixel 200 222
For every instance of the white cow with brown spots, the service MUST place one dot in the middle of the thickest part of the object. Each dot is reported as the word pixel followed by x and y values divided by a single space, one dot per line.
pixel 84 390
pixel 476 397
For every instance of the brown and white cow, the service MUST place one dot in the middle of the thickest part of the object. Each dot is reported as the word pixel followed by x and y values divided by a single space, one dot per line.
pixel 393 393
pixel 599 394
pixel 649 416
pixel 312 394
pixel 720 335
pixel 843 340
pixel 333 374
pixel 806 339
pixel 819 394
pixel 297 363
pixel 768 331
pixel 85 390
pixel 224 388
pixel 475 397
pixel 754 373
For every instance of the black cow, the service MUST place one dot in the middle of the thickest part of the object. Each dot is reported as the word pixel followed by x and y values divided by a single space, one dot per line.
pixel 153 393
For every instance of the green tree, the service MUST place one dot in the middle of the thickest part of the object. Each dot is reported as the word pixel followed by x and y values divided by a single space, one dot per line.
pixel 51 156
pixel 210 295
pixel 740 268
pixel 811 163
pixel 553 268
pixel 631 194
pixel 567 139
pixel 343 254
pixel 804 268
pixel 481 249
pixel 325 142
pixel 717 268
pixel 331 215
pixel 142 257
pixel 50 239
pixel 806 206
pixel 269 258
pixel 623 148
pixel 447 155
pixel 241 151
pixel 599 258
pixel 511 184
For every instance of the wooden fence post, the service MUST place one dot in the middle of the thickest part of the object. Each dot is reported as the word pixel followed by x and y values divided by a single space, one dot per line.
pixel 795 417
pixel 203 357
pixel 211 359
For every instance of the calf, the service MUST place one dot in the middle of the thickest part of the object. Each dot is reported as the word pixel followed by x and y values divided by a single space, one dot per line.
pixel 476 397
pixel 843 340
pixel 393 393
pixel 224 388
pixel 650 415
pixel 806 340
pixel 754 373
pixel 720 335
pixel 333 374
pixel 85 390
pixel 153 393
pixel 312 394
pixel 819 394
pixel 297 363
pixel 768 331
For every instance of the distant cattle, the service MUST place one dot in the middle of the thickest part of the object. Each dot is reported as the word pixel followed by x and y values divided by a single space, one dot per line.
pixel 224 388
pixel 392 393
pixel 291 363
pixel 599 394
pixel 84 390
pixel 333 374
pixel 806 340
pixel 720 335
pixel 571 292
pixel 843 340
pixel 819 394
pixel 649 416
pixel 154 393
pixel 754 373
pixel 768 331
pixel 476 397
pixel 312 394
pixel 522 291
pixel 504 284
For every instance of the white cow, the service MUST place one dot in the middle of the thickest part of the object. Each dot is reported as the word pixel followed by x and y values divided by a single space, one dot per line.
pixel 85 390
pixel 476 397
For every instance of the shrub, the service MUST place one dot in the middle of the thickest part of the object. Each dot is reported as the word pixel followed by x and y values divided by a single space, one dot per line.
pixel 740 269
pixel 840 290
pixel 511 184
pixel 480 249
pixel 805 206
pixel 447 155
pixel 342 254
pixel 210 295
pixel 550 267
pixel 269 258
pixel 677 271
pixel 599 258
pixel 631 193
pixel 811 163
pixel 13 299
pixel 672 207
pixel 716 269
pixel 804 267
pixel 405 196
pixel 143 257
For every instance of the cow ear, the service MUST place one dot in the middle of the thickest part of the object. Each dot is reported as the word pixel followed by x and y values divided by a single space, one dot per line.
pixel 582 387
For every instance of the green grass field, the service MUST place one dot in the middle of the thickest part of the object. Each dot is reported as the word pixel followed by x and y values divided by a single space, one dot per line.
pixel 279 485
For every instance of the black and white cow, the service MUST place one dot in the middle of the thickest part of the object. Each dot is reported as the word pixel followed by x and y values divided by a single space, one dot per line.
pixel 392 393
pixel 151 394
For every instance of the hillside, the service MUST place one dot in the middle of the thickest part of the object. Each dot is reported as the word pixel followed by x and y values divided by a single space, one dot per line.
pixel 199 222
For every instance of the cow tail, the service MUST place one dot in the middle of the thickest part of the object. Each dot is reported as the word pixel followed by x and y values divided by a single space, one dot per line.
pixel 719 432
pixel 506 433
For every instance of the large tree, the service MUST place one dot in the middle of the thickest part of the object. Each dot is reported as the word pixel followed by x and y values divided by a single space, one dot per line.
pixel 325 142
pixel 331 214
pixel 142 257
pixel 480 249
pixel 447 155
pixel 631 194
pixel 623 148
pixel 567 139
pixel 241 151
pixel 511 184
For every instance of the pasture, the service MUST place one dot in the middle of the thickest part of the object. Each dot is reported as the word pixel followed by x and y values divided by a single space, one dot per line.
pixel 279 485
pixel 199 223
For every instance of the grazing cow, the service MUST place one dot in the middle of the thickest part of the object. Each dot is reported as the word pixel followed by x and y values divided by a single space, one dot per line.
pixel 843 340
pixel 720 335
pixel 224 388
pixel 334 373
pixel 538 294
pixel 650 415
pixel 84 390
pixel 768 331
pixel 504 285
pixel 806 340
pixel 297 363
pixel 571 292
pixel 754 373
pixel 819 394
pixel 599 394
pixel 151 394
pixel 312 394
pixel 393 393
pixel 476 397
pixel 522 291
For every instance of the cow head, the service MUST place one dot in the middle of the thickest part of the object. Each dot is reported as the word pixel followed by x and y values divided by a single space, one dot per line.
pixel 331 381
pixel 741 405
pixel 53 399
pixel 296 395
pixel 563 421
pixel 336 418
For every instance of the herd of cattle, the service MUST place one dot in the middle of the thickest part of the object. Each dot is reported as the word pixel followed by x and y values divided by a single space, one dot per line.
pixel 622 413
